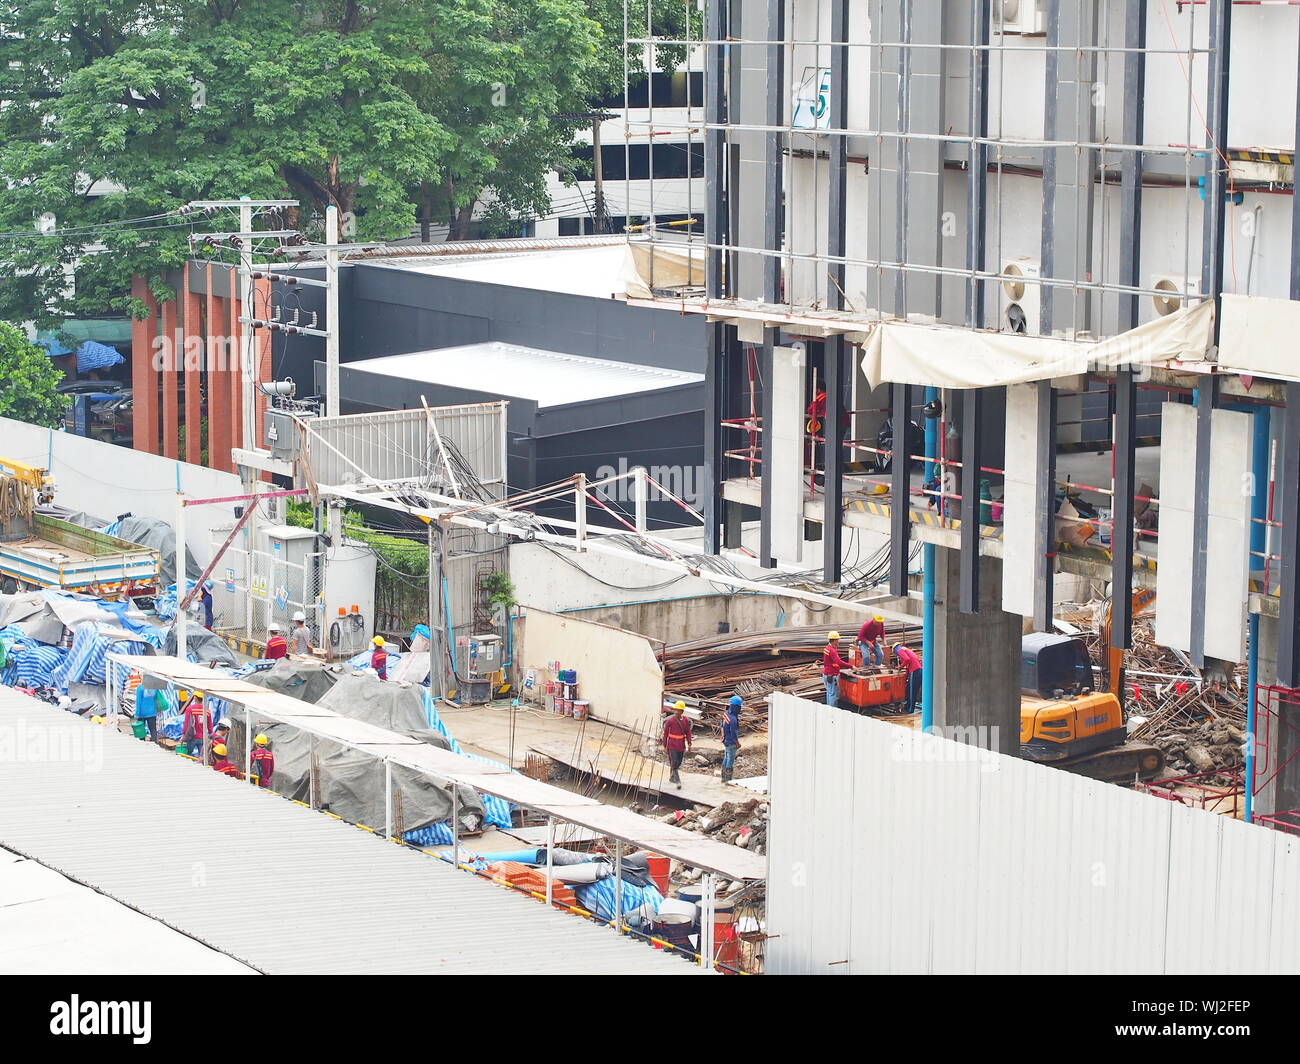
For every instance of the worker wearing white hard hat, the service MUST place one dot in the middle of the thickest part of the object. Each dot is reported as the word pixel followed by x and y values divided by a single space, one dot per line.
pixel 276 644
pixel 300 635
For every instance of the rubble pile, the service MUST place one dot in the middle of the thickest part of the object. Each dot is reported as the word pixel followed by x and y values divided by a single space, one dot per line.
pixel 739 823
pixel 1211 746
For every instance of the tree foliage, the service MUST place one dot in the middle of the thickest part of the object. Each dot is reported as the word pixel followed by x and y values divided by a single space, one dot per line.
pixel 384 109
pixel 28 379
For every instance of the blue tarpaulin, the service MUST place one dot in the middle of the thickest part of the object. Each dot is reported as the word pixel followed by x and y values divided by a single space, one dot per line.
pixel 90 355
pixel 600 898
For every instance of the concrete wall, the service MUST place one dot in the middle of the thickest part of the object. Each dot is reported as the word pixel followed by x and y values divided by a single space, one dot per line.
pixel 105 480
pixel 617 671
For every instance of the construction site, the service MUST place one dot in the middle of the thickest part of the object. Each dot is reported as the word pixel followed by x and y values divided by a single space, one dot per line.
pixel 976 571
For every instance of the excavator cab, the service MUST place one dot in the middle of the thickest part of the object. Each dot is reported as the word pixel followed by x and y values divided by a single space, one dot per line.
pixel 1062 716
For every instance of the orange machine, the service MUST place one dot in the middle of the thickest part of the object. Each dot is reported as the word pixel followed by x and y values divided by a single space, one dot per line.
pixel 873 687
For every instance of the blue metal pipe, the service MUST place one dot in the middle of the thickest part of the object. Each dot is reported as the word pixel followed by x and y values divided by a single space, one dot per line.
pixel 1258 543
pixel 927 580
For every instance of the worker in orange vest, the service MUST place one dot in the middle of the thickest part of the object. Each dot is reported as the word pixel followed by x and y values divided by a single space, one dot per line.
pixel 198 724
pixel 261 762
pixel 221 762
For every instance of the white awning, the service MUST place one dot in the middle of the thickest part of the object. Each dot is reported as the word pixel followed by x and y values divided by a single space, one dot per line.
pixel 947 356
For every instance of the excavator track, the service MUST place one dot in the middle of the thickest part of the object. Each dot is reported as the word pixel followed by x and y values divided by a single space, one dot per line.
pixel 1119 764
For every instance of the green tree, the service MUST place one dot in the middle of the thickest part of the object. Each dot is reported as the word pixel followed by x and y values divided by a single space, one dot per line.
pixel 28 380
pixel 365 106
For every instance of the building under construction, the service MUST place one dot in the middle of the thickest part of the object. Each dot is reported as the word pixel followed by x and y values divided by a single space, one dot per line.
pixel 1049 248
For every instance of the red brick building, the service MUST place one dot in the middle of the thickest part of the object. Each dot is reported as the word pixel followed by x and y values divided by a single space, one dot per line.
pixel 185 366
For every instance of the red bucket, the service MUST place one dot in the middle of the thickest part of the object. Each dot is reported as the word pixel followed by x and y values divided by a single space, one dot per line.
pixel 659 867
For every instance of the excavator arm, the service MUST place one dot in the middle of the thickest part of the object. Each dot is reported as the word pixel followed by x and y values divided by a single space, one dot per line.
pixel 1113 657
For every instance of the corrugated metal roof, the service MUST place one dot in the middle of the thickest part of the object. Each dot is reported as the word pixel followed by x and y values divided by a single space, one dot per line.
pixel 271 883
pixel 51 925
pixel 550 378
pixel 594 271
pixel 696 850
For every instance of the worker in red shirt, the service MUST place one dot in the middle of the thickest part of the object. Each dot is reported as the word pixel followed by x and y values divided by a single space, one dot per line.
pixel 832 666
pixel 261 762
pixel 379 658
pixel 871 641
pixel 909 661
pixel 677 740
pixel 276 644
pixel 221 762
pixel 197 725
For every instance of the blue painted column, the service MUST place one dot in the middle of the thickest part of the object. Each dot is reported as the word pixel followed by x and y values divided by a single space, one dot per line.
pixel 1258 543
pixel 927 584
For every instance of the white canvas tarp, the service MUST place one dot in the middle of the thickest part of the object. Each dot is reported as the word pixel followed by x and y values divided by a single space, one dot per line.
pixel 648 266
pixel 946 356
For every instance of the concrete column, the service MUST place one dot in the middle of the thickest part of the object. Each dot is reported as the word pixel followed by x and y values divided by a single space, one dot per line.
pixel 235 362
pixel 976 659
pixel 1277 724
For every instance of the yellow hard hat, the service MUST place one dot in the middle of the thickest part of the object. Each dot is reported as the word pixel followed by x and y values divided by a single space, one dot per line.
pixel 679 705
pixel 183 695
pixel 261 740
pixel 833 635
pixel 96 720
pixel 378 640
pixel 219 749
pixel 879 618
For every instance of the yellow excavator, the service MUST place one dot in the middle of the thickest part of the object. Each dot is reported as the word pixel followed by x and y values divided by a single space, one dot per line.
pixel 1066 721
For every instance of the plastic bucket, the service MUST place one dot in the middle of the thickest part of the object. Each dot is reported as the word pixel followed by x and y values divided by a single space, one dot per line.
pixel 675 933
pixel 695 894
pixel 566 707
pixel 659 867
pixel 580 708
pixel 138 729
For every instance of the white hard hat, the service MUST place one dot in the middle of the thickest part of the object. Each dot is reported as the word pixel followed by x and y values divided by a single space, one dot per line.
pixel 272 627
pixel 299 616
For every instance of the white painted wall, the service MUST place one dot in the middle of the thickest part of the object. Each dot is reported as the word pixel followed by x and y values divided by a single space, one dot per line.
pixel 106 480
pixel 617 670
pixel 897 852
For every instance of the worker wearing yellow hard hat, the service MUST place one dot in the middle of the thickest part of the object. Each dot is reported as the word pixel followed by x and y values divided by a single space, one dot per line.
pixel 379 658
pixel 221 761
pixel 871 640
pixel 677 740
pixel 261 761
pixel 832 666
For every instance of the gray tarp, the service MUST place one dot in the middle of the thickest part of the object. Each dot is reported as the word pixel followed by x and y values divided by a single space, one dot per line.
pixel 204 645
pixel 151 532
pixel 307 681
pixel 45 620
pixel 352 783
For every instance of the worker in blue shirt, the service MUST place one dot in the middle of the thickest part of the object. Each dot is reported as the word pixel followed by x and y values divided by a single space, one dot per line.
pixel 146 710
pixel 730 737
pixel 205 601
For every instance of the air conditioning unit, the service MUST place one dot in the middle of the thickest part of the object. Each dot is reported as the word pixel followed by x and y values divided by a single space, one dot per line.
pixel 1021 297
pixel 1181 291
pixel 1025 17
